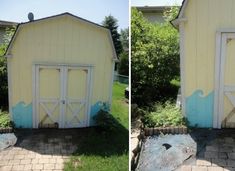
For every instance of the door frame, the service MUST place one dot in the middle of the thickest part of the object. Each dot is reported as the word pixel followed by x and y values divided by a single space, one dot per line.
pixel 35 87
pixel 222 36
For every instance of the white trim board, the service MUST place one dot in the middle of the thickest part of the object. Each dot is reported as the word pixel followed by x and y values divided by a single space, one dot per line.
pixel 222 36
pixel 9 87
pixel 182 68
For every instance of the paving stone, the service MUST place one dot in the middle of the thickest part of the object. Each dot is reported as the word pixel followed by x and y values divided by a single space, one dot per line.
pixel 59 166
pixel 19 156
pixel 4 162
pixel 22 152
pixel 49 166
pixel 53 160
pixel 8 157
pixel 199 168
pixel 228 140
pixel 5 152
pixel 223 155
pixel 14 162
pixel 229 169
pixel 203 162
pixel 43 161
pixel 231 163
pixel 219 162
pixel 59 160
pixel 226 149
pixel 35 161
pixel 25 161
pixel 18 167
pixel 30 156
pixel 28 167
pixel 212 148
pixel 186 168
pixel 231 155
pixel 6 168
pixel 215 168
pixel 211 155
pixel 37 166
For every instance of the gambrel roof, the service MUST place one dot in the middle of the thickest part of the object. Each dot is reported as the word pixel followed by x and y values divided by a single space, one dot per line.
pixel 20 25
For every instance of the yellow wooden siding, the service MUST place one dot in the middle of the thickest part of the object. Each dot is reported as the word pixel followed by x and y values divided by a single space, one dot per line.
pixel 60 40
pixel 204 18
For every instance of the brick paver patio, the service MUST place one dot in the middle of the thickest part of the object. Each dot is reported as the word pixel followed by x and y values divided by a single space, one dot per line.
pixel 39 150
pixel 215 153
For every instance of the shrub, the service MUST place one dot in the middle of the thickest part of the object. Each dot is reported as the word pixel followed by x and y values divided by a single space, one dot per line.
pixel 5 120
pixel 154 59
pixel 164 116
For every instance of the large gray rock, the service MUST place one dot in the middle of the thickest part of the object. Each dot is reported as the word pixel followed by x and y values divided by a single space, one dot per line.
pixel 7 140
pixel 166 152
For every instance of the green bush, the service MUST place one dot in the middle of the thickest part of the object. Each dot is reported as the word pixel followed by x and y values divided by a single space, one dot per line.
pixel 164 116
pixel 3 69
pixel 5 120
pixel 154 60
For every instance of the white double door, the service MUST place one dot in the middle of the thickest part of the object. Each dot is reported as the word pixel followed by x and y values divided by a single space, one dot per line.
pixel 62 96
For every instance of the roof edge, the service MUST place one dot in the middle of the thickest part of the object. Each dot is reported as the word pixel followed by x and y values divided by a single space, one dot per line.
pixel 6 54
pixel 175 22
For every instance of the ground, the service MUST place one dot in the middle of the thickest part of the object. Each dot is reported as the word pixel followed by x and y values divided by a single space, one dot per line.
pixel 74 149
pixel 40 149
pixel 215 151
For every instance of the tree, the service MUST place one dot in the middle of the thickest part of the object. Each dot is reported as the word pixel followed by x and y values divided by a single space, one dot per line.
pixel 112 24
pixel 124 38
pixel 123 65
pixel 154 59
pixel 3 69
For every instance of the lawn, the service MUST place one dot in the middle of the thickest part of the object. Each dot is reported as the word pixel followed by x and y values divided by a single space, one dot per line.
pixel 105 151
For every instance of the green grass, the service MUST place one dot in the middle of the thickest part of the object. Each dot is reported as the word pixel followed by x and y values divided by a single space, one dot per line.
pixel 105 151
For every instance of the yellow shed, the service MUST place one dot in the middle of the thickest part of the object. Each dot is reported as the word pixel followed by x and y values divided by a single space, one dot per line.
pixel 60 72
pixel 207 49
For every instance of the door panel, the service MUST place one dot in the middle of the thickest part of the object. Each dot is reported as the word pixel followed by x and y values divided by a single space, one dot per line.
pixel 76 98
pixel 62 96
pixel 228 119
pixel 49 96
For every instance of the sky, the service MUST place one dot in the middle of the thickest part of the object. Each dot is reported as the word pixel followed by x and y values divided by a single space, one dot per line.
pixel 155 2
pixel 92 10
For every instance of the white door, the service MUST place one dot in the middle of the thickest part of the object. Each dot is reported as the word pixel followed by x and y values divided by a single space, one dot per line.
pixel 62 96
pixel 226 82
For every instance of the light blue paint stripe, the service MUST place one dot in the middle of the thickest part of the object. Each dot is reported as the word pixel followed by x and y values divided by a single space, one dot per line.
pixel 22 115
pixel 199 109
pixel 95 109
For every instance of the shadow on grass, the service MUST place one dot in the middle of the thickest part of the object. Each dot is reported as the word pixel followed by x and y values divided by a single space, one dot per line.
pixel 102 150
pixel 104 142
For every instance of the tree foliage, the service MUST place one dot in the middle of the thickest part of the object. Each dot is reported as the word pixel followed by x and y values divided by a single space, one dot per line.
pixel 124 38
pixel 112 24
pixel 123 65
pixel 3 69
pixel 154 58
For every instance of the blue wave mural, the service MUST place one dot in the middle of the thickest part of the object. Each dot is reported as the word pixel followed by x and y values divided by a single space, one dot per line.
pixel 96 108
pixel 22 115
pixel 199 109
